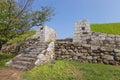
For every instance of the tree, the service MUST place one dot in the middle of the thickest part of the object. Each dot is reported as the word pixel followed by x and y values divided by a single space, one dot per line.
pixel 16 18
pixel 40 17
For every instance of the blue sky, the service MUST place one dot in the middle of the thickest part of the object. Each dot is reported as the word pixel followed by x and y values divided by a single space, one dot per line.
pixel 67 12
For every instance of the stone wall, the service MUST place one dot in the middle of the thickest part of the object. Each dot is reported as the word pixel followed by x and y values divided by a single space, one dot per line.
pixel 46 55
pixel 17 48
pixel 86 53
pixel 83 35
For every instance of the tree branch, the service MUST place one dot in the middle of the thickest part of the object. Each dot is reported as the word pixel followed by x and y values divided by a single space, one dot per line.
pixel 24 8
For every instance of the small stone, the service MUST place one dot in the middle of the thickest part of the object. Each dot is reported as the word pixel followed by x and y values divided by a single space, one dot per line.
pixel 84 51
pixel 105 61
pixel 108 57
pixel 117 58
pixel 106 49
pixel 112 62
pixel 95 57
pixel 117 50
pixel 83 57
pixel 79 54
pixel 86 46
pixel 75 57
pixel 118 54
pixel 89 57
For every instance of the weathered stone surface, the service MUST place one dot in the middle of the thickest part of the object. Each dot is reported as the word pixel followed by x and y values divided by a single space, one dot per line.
pixel 106 49
pixel 95 54
pixel 79 54
pixel 108 57
pixel 118 54
pixel 75 57
pixel 89 57
pixel 45 34
pixel 117 50
pixel 83 35
pixel 117 58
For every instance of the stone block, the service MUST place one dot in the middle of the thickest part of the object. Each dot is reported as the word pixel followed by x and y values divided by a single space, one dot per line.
pixel 108 57
pixel 117 50
pixel 118 54
pixel 89 57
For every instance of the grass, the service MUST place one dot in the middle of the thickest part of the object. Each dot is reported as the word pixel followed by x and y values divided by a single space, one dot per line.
pixel 111 28
pixel 72 70
pixel 21 38
pixel 4 58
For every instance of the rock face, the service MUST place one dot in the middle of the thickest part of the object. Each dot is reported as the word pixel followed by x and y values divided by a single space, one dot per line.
pixel 83 35
pixel 86 53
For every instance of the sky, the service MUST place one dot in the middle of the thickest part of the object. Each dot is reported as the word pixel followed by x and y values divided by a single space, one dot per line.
pixel 67 12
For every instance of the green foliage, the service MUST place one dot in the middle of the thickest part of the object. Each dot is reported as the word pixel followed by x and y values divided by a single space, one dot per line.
pixel 21 38
pixel 111 28
pixel 42 16
pixel 72 70
pixel 4 58
pixel 16 18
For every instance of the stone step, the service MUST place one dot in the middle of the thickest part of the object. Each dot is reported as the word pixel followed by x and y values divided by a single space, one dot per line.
pixel 33 53
pixel 25 63
pixel 37 50
pixel 17 66
pixel 26 59
pixel 29 55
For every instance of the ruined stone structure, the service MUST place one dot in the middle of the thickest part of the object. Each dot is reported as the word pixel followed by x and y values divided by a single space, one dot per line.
pixel 83 35
pixel 46 34
pixel 82 31
pixel 88 46
pixel 35 52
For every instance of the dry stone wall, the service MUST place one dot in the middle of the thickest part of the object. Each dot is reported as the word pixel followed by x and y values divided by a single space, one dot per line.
pixel 83 35
pixel 46 55
pixel 86 53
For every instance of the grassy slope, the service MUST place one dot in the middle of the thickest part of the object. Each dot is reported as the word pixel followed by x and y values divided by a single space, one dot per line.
pixel 4 58
pixel 111 28
pixel 21 37
pixel 72 70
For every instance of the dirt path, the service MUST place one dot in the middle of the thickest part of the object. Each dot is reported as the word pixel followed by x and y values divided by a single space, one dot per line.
pixel 10 74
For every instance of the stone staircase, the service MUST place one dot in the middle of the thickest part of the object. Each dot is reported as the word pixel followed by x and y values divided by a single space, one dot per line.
pixel 26 60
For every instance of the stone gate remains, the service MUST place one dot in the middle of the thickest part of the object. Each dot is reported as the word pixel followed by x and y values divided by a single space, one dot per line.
pixel 85 46
pixel 88 46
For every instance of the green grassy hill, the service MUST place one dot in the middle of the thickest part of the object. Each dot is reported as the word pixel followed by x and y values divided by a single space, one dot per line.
pixel 111 28
pixel 73 70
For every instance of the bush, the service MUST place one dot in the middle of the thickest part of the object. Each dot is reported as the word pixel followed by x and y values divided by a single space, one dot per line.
pixel 4 58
